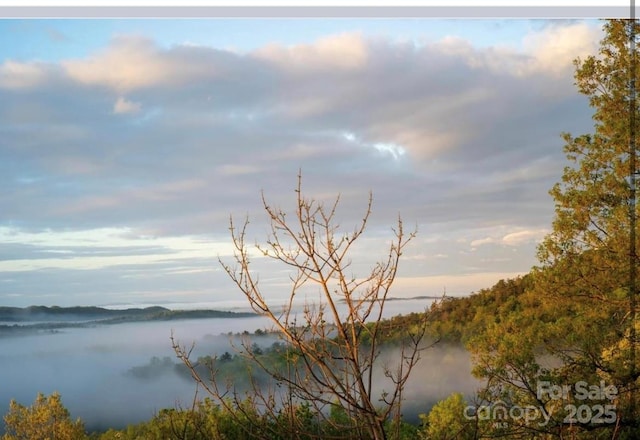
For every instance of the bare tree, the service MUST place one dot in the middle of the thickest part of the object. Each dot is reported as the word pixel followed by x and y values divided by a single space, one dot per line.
pixel 333 345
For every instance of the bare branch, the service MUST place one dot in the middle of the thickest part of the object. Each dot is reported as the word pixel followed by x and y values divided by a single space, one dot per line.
pixel 332 352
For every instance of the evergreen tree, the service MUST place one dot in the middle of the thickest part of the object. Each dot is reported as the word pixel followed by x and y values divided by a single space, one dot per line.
pixel 578 321
pixel 589 260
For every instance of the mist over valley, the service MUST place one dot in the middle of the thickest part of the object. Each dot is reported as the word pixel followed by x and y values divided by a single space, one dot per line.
pixel 114 374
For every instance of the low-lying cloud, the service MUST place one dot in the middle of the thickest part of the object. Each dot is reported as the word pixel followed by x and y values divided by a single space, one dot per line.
pixel 114 375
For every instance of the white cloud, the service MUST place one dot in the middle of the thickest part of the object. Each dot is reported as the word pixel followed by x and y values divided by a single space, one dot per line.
pixel 524 236
pixel 78 246
pixel 518 237
pixel 555 47
pixel 385 148
pixel 343 52
pixel 549 51
pixel 129 63
pixel 133 63
pixel 481 241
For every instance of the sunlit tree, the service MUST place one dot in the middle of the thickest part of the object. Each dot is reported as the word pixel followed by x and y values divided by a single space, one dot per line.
pixel 447 421
pixel 46 419
pixel 578 321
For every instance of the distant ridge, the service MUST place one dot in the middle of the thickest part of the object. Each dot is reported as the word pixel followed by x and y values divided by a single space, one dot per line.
pixel 18 320
pixel 39 313
pixel 397 298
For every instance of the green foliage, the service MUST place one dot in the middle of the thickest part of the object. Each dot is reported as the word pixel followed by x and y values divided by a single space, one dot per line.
pixel 573 321
pixel 460 319
pixel 446 420
pixel 208 421
pixel 586 261
pixel 46 419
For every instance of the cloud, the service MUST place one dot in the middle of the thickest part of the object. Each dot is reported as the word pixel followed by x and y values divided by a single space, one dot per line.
pixel 19 75
pixel 517 238
pixel 342 52
pixel 235 170
pixel 124 106
pixel 556 46
pixel 129 63
pixel 126 197
pixel 136 63
pixel 481 241
pixel 455 138
pixel 103 248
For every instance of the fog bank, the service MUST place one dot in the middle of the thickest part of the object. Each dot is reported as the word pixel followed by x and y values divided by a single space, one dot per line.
pixel 91 367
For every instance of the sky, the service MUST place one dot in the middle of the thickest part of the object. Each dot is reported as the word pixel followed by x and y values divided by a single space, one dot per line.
pixel 127 144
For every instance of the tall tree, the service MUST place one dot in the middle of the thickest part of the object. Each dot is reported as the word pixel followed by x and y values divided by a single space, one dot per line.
pixel 589 260
pixel 578 321
pixel 593 199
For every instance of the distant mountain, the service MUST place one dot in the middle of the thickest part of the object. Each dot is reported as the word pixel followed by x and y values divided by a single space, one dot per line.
pixel 16 320
pixel 55 313
pixel 397 298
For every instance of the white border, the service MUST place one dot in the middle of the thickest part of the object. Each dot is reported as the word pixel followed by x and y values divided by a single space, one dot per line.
pixel 388 11
pixel 318 3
